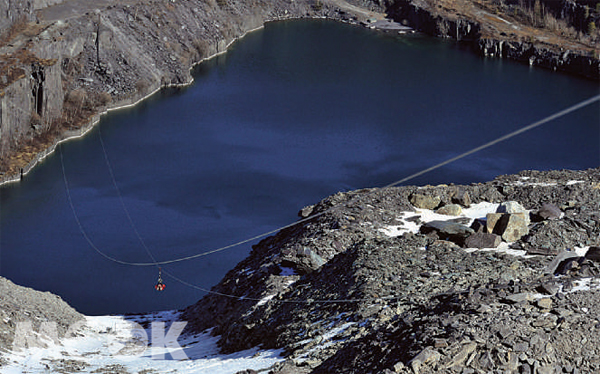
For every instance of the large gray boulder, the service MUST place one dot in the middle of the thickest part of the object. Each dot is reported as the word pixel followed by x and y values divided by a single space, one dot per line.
pixel 445 230
pixel 513 207
pixel 304 260
pixel 450 210
pixel 425 201
pixel 549 212
pixel 483 240
pixel 512 227
pixel 462 197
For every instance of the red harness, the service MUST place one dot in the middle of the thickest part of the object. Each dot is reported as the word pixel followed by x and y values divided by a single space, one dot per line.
pixel 160 286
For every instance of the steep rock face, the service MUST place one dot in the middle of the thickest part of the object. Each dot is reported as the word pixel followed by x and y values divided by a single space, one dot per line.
pixel 419 15
pixel 526 52
pixel 577 11
pixel 15 111
pixel 451 24
pixel 12 11
pixel 55 74
pixel 31 103
pixel 41 4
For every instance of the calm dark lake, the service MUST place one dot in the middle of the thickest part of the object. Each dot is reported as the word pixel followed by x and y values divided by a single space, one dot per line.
pixel 292 114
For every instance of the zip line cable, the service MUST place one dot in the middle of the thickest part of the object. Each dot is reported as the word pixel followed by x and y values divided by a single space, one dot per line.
pixel 288 301
pixel 209 291
pixel 77 220
pixel 114 181
pixel 223 248
pixel 500 139
pixel 412 176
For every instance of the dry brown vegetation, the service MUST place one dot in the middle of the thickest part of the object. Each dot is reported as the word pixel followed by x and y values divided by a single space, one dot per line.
pixel 535 21
pixel 17 28
pixel 11 65
pixel 525 20
pixel 78 108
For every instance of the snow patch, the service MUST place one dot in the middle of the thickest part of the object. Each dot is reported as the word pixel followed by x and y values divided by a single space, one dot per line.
pixel 581 251
pixel 586 284
pixel 502 248
pixel 265 299
pixel 476 211
pixel 534 184
pixel 569 183
pixel 106 341
pixel 325 340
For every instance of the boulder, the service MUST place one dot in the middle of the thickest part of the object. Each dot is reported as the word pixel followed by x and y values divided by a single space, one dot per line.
pixel 555 264
pixel 462 197
pixel 569 265
pixel 544 303
pixel 306 211
pixel 479 225
pixel 513 207
pixel 549 288
pixel 304 260
pixel 549 211
pixel 518 297
pixel 428 356
pixel 491 221
pixel 483 240
pixel 512 227
pixel 450 210
pixel 543 251
pixel 425 202
pixel 593 254
pixel 461 356
pixel 445 230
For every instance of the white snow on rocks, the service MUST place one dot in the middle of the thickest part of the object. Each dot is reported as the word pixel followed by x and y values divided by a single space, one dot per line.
pixel 569 183
pixel 120 341
pixel 323 341
pixel 425 215
pixel 476 211
pixel 503 248
pixel 524 182
pixel 285 272
pixel 265 299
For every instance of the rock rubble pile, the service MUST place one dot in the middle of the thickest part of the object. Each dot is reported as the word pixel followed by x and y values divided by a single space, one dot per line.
pixel 493 277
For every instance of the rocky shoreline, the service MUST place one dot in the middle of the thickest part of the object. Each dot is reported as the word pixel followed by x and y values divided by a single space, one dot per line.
pixel 491 34
pixel 59 74
pixel 131 57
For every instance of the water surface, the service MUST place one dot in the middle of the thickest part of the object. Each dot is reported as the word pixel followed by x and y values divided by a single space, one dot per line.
pixel 292 114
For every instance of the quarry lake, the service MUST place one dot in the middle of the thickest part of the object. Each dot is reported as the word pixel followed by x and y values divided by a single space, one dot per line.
pixel 291 114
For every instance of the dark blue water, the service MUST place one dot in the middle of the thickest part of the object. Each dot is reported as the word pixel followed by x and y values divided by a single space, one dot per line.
pixel 292 114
